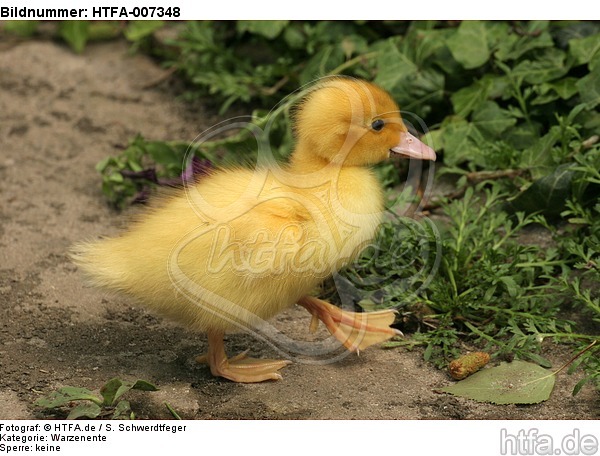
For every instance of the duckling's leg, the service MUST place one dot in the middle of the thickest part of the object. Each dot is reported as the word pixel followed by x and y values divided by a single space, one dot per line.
pixel 240 368
pixel 356 331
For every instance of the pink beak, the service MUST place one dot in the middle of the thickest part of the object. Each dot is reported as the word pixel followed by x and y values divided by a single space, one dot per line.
pixel 411 147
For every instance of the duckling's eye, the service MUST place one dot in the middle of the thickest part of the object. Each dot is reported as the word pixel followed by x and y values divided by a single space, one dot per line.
pixel 377 125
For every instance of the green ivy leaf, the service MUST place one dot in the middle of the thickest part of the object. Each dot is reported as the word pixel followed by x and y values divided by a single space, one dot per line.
pixel 497 32
pixel 461 141
pixel 466 141
pixel 547 195
pixel 426 43
pixel 394 66
pixel 584 49
pixel 518 382
pixel 294 37
pixel 538 158
pixel 589 88
pixel 353 44
pixel 492 119
pixel 418 91
pixel 595 62
pixel 469 44
pixel 467 99
pixel 548 66
pixel 522 137
pixel 514 47
pixel 434 138
pixel 320 64
pixel 549 91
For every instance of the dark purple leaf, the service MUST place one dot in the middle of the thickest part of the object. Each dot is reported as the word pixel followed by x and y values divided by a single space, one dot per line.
pixel 148 174
pixel 142 196
pixel 197 168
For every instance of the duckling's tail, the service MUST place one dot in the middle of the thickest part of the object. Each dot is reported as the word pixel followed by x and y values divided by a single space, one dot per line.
pixel 102 264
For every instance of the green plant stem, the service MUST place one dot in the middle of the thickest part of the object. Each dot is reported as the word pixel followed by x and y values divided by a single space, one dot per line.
pixel 172 411
pixel 509 311
pixel 482 334
pixel 353 61
pixel 568 363
pixel 450 275
pixel 568 336
pixel 533 264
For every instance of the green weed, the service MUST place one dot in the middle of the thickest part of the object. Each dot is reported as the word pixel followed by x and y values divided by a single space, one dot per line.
pixel 89 405
pixel 78 33
pixel 487 287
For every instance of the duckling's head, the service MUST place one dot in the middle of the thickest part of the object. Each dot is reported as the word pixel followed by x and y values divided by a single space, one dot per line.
pixel 350 122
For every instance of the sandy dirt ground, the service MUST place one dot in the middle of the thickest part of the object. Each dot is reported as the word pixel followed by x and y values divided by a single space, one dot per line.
pixel 60 114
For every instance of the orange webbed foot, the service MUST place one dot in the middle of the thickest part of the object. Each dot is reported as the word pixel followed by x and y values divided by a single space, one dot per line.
pixel 240 368
pixel 356 331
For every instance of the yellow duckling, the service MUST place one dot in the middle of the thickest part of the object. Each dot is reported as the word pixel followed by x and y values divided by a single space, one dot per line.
pixel 241 245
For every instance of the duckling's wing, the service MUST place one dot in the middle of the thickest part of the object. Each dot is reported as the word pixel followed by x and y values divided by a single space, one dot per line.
pixel 274 237
pixel 282 210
